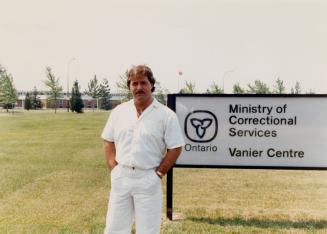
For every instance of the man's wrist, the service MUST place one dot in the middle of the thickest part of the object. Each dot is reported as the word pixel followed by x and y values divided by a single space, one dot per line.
pixel 113 165
pixel 159 174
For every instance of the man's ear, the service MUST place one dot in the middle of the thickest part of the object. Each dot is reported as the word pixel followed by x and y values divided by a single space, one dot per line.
pixel 129 84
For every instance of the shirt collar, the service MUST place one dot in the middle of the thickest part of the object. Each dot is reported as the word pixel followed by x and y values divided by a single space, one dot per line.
pixel 154 103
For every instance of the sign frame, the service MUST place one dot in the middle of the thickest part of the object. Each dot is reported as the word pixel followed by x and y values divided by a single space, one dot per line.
pixel 171 103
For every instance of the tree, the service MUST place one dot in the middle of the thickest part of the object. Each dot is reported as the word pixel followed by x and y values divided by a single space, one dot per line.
pixel 8 93
pixel 76 102
pixel 259 87
pixel 2 71
pixel 27 102
pixel 160 93
pixel 35 100
pixel 310 91
pixel 237 89
pixel 215 89
pixel 279 87
pixel 104 95
pixel 188 88
pixel 93 90
pixel 123 88
pixel 1 85
pixel 55 89
pixel 296 89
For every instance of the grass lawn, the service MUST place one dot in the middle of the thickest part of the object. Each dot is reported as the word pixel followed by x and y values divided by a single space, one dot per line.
pixel 53 179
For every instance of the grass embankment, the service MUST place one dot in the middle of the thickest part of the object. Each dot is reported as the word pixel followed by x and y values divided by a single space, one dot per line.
pixel 53 180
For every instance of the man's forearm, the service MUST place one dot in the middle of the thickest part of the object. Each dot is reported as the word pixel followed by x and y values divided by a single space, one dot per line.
pixel 110 154
pixel 169 160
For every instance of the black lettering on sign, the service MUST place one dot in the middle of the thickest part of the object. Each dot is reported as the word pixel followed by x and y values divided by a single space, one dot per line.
pixel 285 153
pixel 234 152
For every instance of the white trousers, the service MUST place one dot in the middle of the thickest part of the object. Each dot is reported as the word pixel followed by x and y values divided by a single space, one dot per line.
pixel 134 193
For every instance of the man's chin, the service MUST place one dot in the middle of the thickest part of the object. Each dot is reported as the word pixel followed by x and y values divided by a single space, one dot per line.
pixel 139 97
pixel 142 97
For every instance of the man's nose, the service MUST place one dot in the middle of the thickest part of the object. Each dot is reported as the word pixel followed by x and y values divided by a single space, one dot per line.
pixel 139 86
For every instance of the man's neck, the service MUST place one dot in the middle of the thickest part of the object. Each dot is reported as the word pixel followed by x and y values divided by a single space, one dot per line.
pixel 142 105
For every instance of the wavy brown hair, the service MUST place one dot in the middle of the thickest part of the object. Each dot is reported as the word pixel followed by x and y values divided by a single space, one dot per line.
pixel 141 71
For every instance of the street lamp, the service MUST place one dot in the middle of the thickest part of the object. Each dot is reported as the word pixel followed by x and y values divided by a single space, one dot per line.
pixel 68 65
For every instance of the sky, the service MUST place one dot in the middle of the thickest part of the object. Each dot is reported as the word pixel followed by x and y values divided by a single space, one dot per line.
pixel 226 41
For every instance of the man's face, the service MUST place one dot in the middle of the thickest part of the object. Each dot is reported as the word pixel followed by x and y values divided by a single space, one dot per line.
pixel 140 88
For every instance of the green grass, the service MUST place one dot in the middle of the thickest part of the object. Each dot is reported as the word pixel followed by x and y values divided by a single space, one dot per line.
pixel 53 179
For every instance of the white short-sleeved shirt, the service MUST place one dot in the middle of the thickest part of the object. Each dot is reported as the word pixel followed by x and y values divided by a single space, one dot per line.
pixel 141 142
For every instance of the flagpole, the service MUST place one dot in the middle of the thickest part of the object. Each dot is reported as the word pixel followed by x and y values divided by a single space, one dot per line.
pixel 179 77
pixel 178 85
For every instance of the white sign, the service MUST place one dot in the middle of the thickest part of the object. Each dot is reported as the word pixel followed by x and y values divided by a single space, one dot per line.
pixel 253 131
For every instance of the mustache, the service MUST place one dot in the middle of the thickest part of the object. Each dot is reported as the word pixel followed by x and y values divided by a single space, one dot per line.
pixel 139 92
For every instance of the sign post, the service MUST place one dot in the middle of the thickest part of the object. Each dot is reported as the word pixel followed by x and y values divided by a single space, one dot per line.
pixel 171 102
pixel 169 194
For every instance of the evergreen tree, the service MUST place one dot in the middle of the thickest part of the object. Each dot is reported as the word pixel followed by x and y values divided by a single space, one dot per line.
pixel 237 89
pixel 215 89
pixel 8 92
pixel 296 89
pixel 93 90
pixel 35 100
pixel 123 88
pixel 279 87
pixel 55 89
pixel 104 95
pixel 2 72
pixel 259 87
pixel 76 102
pixel 27 102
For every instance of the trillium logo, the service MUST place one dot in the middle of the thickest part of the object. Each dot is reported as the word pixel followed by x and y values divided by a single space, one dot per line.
pixel 201 126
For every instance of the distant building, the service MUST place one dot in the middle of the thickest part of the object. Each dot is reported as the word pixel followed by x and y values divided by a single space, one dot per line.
pixel 62 102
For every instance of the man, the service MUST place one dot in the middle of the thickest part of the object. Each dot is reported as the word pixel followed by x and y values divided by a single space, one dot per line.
pixel 142 141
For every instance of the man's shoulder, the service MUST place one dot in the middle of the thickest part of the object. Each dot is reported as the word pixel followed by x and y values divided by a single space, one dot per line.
pixel 163 109
pixel 122 106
